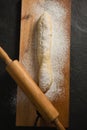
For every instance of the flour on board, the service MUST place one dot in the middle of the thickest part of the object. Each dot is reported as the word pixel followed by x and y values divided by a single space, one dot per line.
pixel 59 49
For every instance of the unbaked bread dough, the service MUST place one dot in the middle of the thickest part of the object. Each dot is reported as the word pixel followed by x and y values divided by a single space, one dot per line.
pixel 44 51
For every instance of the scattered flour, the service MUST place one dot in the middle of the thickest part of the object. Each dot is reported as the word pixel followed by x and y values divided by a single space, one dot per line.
pixel 59 48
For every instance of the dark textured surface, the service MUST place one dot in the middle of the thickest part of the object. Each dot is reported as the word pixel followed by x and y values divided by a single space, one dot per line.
pixel 9 40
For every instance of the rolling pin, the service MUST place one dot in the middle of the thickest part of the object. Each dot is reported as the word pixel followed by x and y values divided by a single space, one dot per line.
pixel 30 88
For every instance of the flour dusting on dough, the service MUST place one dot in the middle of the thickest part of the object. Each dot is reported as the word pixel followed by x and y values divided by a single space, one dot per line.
pixel 44 42
pixel 59 46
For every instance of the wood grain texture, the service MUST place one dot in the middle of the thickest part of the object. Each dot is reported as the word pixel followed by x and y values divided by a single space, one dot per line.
pixel 26 113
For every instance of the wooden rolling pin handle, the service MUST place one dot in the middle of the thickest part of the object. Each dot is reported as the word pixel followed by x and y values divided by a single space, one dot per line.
pixel 4 56
pixel 30 88
pixel 58 124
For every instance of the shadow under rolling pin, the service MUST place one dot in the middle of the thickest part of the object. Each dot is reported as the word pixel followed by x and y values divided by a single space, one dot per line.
pixel 30 88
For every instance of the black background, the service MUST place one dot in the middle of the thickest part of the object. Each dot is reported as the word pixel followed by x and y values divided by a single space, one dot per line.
pixel 10 11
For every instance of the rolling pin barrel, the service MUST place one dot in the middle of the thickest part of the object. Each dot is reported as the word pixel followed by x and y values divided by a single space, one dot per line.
pixel 30 88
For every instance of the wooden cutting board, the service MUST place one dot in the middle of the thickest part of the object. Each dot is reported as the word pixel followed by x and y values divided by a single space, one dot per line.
pixel 25 112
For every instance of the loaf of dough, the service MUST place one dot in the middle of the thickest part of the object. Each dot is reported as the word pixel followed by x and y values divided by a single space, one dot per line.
pixel 44 51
